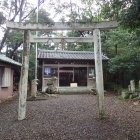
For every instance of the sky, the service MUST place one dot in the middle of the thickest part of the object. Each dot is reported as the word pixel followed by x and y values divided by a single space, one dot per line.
pixel 51 10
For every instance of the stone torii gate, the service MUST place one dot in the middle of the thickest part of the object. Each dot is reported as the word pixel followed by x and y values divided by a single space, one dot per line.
pixel 27 27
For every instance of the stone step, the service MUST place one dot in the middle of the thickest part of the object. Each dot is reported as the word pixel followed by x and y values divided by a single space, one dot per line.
pixel 74 90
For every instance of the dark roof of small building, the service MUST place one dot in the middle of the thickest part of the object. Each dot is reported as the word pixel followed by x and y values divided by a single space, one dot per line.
pixel 75 55
pixel 3 58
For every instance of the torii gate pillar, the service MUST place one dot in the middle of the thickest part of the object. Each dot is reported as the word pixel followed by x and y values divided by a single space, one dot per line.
pixel 24 77
pixel 99 72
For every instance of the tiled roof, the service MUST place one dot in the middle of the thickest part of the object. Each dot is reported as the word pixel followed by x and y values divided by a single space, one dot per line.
pixel 3 58
pixel 59 54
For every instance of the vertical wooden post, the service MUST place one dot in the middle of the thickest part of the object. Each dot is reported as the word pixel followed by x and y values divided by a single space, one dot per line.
pixel 73 76
pixel 24 77
pixel 99 72
pixel 43 76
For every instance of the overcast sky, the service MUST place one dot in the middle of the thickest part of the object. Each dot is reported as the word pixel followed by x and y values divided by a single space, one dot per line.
pixel 50 9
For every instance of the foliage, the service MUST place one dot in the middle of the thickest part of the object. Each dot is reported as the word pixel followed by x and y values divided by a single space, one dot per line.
pixel 126 12
pixel 130 17
pixel 14 10
pixel 32 64
pixel 13 42
pixel 127 61
pixel 114 42
pixel 125 67
pixel 43 17
pixel 122 45
pixel 126 94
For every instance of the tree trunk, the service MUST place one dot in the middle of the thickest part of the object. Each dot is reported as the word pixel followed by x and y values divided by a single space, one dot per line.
pixel 15 48
pixel 4 39
pixel 116 49
pixel 21 10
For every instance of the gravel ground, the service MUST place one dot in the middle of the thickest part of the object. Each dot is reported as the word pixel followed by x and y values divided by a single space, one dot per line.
pixel 69 117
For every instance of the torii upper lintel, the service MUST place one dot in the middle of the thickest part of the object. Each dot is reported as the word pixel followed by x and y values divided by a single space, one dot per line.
pixel 103 25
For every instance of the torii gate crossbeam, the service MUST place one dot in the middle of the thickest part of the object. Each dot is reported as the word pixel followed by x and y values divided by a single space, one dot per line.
pixel 82 26
pixel 34 39
pixel 96 26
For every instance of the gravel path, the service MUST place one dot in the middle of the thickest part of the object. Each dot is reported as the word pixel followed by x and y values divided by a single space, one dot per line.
pixel 69 117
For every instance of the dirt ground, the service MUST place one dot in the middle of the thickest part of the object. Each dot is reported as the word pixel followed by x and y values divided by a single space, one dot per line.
pixel 70 117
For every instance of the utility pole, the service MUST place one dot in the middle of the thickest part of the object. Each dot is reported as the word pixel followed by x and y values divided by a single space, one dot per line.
pixel 36 45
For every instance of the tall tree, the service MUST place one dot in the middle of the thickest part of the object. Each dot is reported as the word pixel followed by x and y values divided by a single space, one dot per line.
pixel 14 10
pixel 15 38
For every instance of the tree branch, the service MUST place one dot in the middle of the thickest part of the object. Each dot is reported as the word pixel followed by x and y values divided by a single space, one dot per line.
pixel 15 48
pixel 28 14
pixel 4 38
